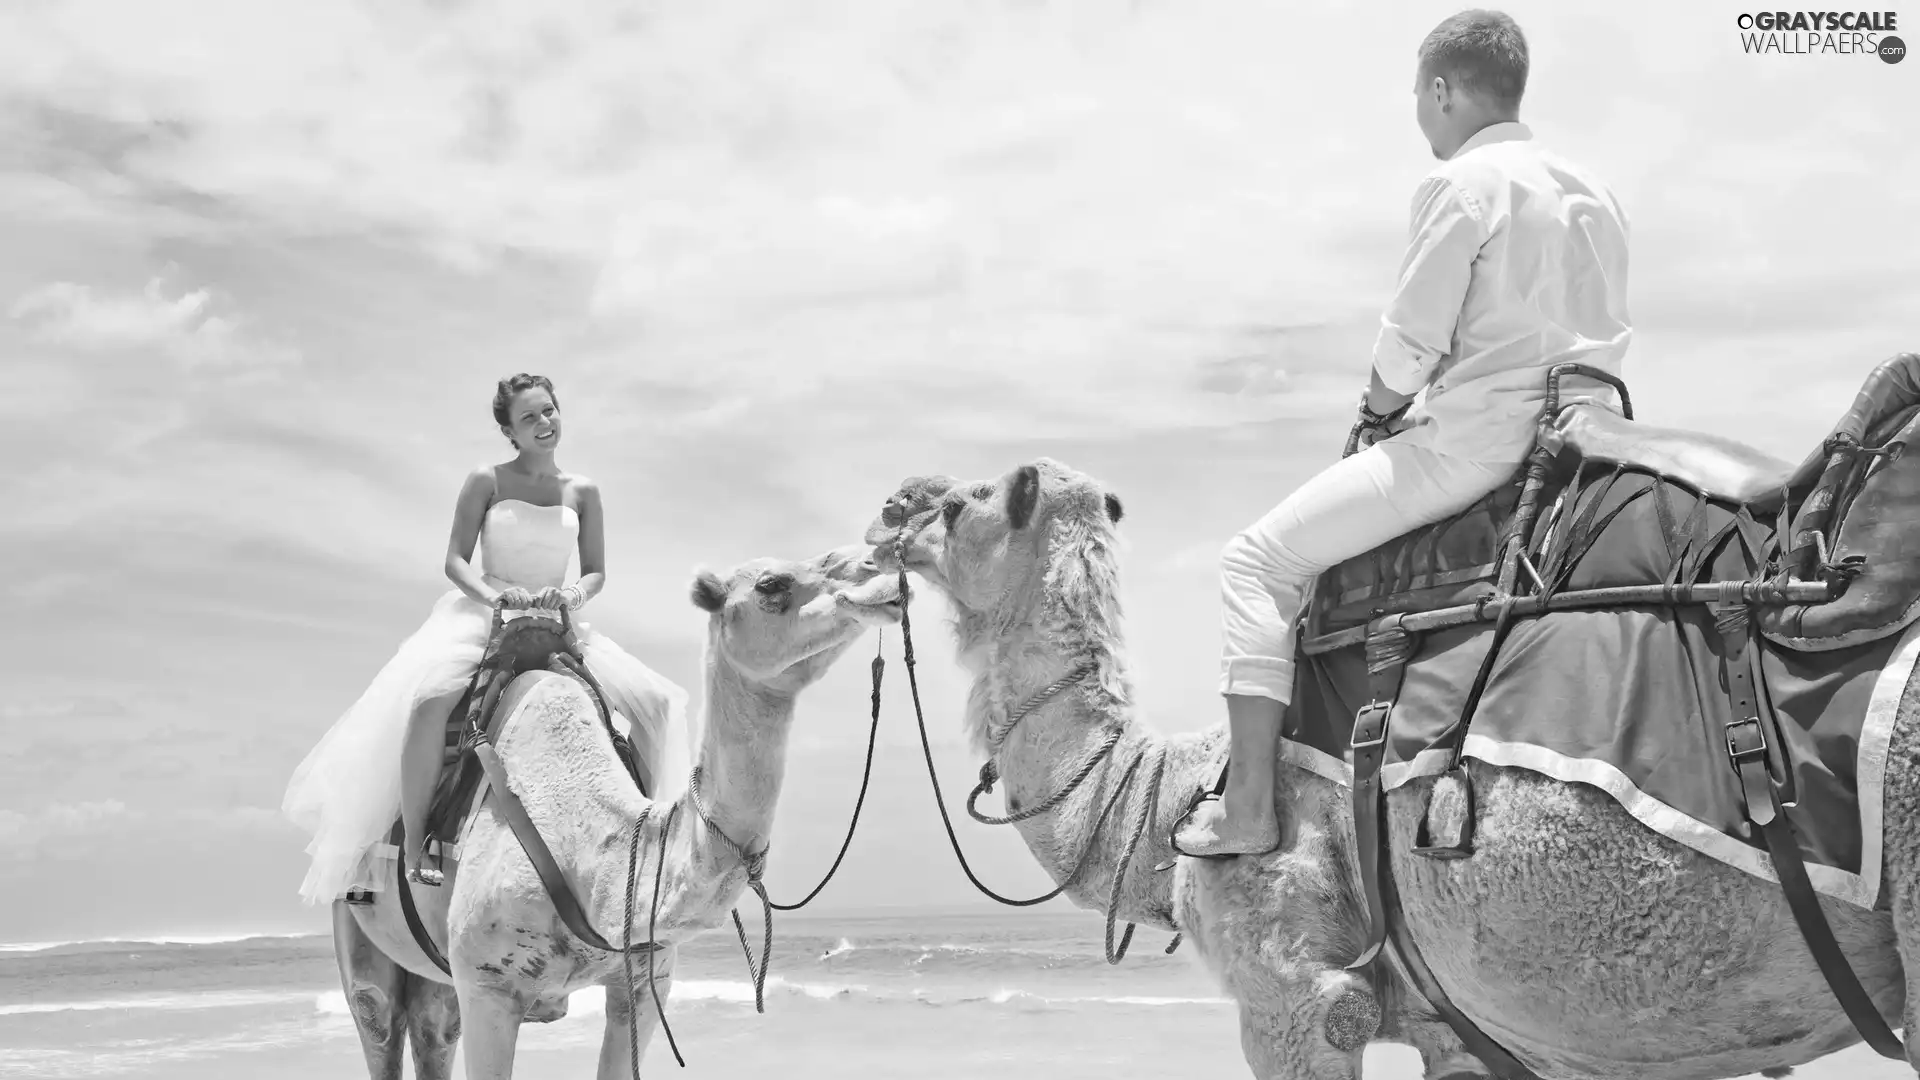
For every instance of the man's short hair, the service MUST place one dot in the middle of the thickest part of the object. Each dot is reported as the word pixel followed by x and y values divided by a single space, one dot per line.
pixel 1480 51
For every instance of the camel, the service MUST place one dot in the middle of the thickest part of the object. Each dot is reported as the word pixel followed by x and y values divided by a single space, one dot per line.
pixel 774 628
pixel 1698 972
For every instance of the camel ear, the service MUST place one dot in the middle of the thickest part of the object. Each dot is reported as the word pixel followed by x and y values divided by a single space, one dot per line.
pixel 1023 496
pixel 1114 510
pixel 709 592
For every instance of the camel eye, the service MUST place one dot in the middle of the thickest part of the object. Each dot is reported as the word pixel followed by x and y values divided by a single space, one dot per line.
pixel 950 512
pixel 773 584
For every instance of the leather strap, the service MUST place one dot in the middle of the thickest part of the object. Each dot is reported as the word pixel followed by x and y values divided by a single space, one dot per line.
pixel 407 908
pixel 1491 1054
pixel 562 895
pixel 1747 747
pixel 484 708
pixel 491 678
pixel 1389 647
pixel 1389 644
pixel 1456 738
pixel 622 747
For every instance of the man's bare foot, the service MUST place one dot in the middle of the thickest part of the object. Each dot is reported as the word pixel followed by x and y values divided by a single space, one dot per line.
pixel 1213 830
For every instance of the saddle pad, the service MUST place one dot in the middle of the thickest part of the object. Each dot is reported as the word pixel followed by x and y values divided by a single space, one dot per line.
pixel 1633 702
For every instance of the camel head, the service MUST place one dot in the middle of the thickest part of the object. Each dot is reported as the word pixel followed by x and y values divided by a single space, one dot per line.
pixel 782 624
pixel 1038 538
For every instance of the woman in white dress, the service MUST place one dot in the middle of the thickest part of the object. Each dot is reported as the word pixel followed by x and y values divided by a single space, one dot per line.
pixel 384 754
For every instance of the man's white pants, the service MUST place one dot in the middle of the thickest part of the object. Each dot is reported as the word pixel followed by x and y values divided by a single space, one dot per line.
pixel 1350 508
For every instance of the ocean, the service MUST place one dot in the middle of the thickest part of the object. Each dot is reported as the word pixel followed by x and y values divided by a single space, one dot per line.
pixel 930 997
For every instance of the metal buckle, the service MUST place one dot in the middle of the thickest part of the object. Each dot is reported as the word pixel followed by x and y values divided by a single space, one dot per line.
pixel 1742 756
pixel 1384 709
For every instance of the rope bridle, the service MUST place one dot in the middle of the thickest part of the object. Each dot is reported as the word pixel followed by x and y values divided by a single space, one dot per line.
pixel 755 864
pixel 990 774
pixel 997 735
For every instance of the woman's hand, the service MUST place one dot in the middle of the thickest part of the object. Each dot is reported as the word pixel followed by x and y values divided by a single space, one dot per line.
pixel 550 599
pixel 514 597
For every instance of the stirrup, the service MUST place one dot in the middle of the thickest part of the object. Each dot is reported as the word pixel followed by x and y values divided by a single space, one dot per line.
pixel 1173 834
pixel 1173 837
pixel 1461 847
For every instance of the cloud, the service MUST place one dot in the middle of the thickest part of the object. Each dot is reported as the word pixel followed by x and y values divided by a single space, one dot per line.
pixel 183 328
pixel 777 258
pixel 22 833
pixel 58 708
pixel 1087 223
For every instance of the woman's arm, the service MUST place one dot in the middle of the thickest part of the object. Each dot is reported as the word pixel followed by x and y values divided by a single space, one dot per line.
pixel 593 547
pixel 475 496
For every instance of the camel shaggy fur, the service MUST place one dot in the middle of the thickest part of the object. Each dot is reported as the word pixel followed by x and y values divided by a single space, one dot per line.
pixel 1585 943
pixel 774 628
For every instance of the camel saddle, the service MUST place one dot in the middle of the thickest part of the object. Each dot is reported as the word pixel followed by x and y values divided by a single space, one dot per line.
pixel 1764 570
pixel 1850 502
pixel 514 647
pixel 536 641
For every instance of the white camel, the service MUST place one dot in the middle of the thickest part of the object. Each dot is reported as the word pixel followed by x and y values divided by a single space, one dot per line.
pixel 774 628
pixel 1698 972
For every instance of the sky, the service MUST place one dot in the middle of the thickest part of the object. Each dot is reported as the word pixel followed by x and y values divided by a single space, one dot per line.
pixel 261 263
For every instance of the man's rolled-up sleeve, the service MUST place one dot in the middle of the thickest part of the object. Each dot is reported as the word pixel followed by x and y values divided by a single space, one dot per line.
pixel 1417 329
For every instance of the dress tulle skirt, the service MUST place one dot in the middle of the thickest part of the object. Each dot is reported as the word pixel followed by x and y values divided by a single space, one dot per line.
pixel 346 793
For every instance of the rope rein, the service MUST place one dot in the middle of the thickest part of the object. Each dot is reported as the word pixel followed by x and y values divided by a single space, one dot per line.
pixel 879 667
pixel 989 774
pixel 755 862
pixel 756 867
pixel 997 736
pixel 653 916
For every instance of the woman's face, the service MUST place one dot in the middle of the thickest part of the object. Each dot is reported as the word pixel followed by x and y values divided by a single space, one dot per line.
pixel 533 421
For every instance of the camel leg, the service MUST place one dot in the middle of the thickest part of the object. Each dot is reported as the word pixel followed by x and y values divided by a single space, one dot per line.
pixel 433 1027
pixel 1312 1027
pixel 1286 1046
pixel 1901 842
pixel 615 1060
pixel 1442 1055
pixel 490 1019
pixel 376 992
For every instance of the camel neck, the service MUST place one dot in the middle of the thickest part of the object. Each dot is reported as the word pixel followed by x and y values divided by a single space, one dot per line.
pixel 1050 744
pixel 742 754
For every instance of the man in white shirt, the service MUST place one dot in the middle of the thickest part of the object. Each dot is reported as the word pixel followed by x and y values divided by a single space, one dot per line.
pixel 1517 262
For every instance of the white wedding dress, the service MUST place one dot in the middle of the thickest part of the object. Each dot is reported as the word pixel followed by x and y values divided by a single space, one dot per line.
pixel 347 791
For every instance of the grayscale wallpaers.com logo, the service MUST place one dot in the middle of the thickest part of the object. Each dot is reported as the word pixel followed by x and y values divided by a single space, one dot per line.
pixel 1809 33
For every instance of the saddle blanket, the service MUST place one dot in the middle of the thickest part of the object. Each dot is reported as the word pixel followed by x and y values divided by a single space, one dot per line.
pixel 1633 702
